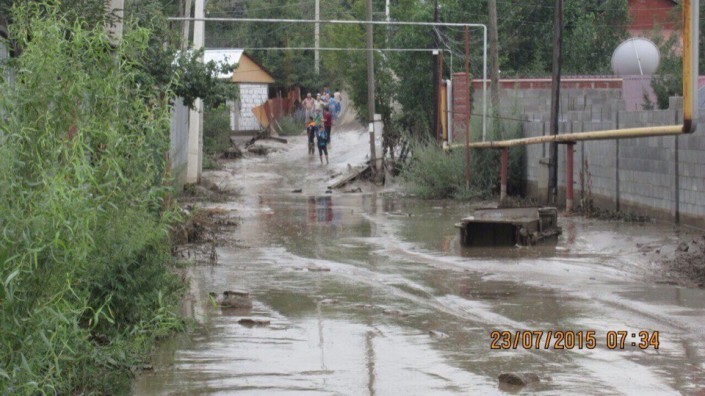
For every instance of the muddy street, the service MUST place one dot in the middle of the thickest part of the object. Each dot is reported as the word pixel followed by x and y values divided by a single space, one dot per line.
pixel 371 293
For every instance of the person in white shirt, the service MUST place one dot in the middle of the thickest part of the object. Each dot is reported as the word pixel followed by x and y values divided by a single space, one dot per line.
pixel 309 106
pixel 318 105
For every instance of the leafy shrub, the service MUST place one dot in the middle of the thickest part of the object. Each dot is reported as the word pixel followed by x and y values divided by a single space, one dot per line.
pixel 86 283
pixel 216 135
pixel 433 173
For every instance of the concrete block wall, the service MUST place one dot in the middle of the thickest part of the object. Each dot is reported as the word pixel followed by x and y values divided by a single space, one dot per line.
pixel 251 96
pixel 662 177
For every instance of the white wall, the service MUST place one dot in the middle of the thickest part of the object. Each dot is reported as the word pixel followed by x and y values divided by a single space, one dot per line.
pixel 251 96
pixel 178 152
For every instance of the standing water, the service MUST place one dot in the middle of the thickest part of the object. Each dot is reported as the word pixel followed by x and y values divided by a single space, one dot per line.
pixel 371 293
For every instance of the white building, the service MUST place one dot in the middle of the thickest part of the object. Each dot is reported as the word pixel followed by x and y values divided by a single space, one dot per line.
pixel 253 80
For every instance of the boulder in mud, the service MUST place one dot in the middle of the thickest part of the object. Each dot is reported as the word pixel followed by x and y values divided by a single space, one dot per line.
pixel 518 379
pixel 683 247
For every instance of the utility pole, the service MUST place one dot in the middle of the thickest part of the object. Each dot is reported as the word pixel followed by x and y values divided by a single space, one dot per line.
pixel 494 57
pixel 467 108
pixel 555 100
pixel 371 86
pixel 317 39
pixel 114 27
pixel 436 78
pixel 186 24
pixel 195 130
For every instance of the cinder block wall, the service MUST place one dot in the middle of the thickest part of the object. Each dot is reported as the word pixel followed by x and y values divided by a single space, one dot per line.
pixel 662 177
pixel 251 96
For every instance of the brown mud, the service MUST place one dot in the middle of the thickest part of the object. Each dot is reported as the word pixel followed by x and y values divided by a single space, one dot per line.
pixel 370 292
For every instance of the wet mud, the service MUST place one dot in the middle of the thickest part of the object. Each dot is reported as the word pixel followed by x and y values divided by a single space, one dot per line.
pixel 369 292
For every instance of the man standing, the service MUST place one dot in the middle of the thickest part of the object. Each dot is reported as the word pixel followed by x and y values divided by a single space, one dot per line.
pixel 317 104
pixel 308 106
pixel 327 122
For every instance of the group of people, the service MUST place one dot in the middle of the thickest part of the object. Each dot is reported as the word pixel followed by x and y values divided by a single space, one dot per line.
pixel 320 114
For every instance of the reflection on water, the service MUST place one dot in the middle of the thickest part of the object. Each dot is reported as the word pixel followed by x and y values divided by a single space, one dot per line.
pixel 320 209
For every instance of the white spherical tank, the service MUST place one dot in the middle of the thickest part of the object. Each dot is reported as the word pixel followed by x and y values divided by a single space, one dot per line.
pixel 635 56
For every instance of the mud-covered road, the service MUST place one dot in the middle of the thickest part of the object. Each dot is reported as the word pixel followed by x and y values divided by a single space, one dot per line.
pixel 370 293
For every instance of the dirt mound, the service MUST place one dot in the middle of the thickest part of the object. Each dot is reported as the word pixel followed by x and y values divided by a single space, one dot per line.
pixel 688 266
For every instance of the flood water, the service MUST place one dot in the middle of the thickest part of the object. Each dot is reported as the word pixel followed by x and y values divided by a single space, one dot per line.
pixel 371 293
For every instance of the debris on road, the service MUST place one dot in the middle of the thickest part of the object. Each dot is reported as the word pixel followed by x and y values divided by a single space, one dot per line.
pixel 437 334
pixel 253 322
pixel 687 267
pixel 518 379
pixel 233 299
pixel 318 269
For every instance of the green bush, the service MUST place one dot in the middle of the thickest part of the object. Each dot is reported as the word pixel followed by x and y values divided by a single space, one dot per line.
pixel 86 280
pixel 433 173
pixel 216 135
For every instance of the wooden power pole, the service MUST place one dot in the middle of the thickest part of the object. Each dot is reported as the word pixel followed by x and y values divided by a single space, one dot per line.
pixel 555 100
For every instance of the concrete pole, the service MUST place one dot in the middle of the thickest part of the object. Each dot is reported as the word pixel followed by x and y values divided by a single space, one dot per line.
pixel 186 27
pixel 116 11
pixel 195 130
pixel 317 39
pixel 371 86
pixel 467 107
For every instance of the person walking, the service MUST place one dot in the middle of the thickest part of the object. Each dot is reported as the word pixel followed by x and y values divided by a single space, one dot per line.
pixel 311 129
pixel 327 122
pixel 338 98
pixel 333 106
pixel 322 138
